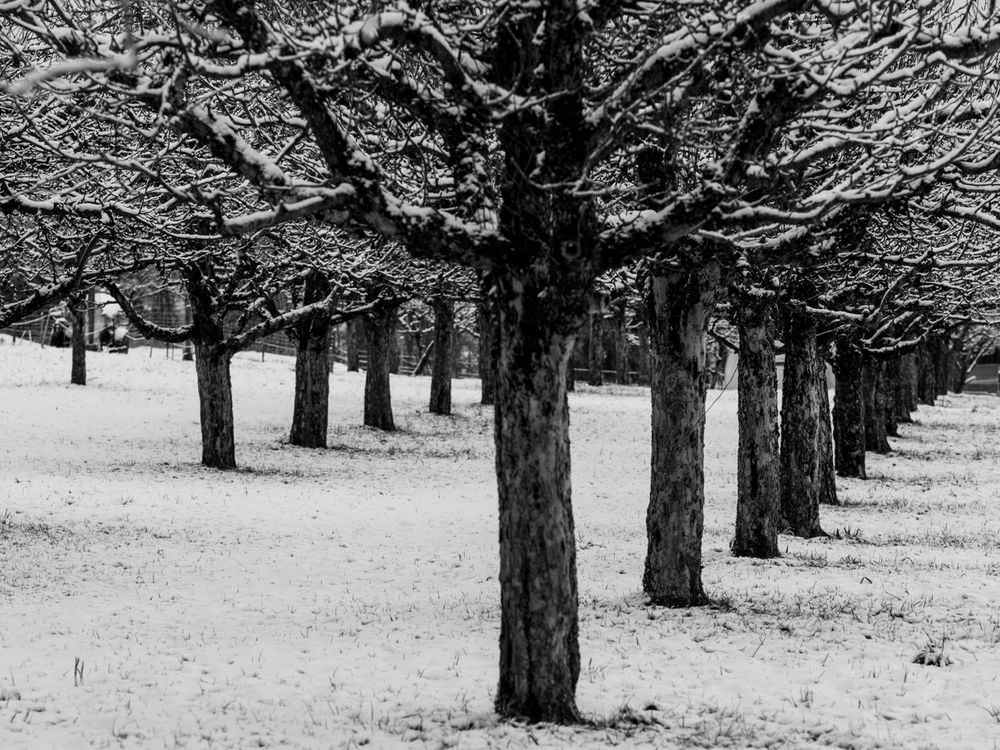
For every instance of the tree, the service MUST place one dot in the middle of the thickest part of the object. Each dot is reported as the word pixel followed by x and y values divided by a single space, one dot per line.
pixel 542 102
pixel 215 288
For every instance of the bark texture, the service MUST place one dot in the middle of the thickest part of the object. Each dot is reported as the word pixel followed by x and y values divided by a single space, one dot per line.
pixel 380 328
pixel 539 652
pixel 802 416
pixel 488 342
pixel 873 374
pixel 758 499
pixel 678 307
pixel 441 372
pixel 927 377
pixel 909 387
pixel 941 351
pixel 849 409
pixel 890 389
pixel 215 400
pixel 311 409
pixel 78 340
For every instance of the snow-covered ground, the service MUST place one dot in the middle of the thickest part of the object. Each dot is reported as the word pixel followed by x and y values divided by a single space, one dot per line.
pixel 348 597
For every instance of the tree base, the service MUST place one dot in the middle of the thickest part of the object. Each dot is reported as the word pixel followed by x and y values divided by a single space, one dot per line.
pixel 679 602
pixel 519 710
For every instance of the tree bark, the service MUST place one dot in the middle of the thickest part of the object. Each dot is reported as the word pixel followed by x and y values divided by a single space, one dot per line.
pixel 441 372
pixel 595 349
pixel 539 651
pixel 678 305
pixel 488 343
pixel 215 399
pixel 875 406
pixel 78 313
pixel 927 392
pixel 353 340
pixel 312 371
pixel 942 359
pixel 758 501
pixel 802 404
pixel 891 387
pixel 910 387
pixel 380 329
pixel 849 409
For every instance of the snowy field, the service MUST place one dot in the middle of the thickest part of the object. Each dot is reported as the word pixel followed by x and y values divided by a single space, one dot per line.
pixel 348 597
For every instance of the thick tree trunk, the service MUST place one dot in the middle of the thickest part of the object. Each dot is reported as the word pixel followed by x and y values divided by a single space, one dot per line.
pixel 78 312
pixel 827 491
pixel 849 409
pixel 678 305
pixel 911 386
pixel 942 359
pixel 380 329
pixel 570 370
pixel 875 407
pixel 758 500
pixel 927 392
pixel 441 373
pixel 890 387
pixel 215 398
pixel 488 344
pixel 312 383
pixel 595 349
pixel 539 651
pixel 901 387
pixel 802 416
pixel 354 335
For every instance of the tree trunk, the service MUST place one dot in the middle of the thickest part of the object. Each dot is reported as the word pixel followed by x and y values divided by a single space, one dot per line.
pixel 758 500
pixel 487 320
pixel 849 409
pixel 827 492
pixel 570 369
pixel 215 398
pixel 539 651
pixel 893 378
pixel 78 313
pixel 927 392
pixel 942 371
pixel 910 385
pixel 353 339
pixel 802 405
pixel 678 304
pixel 312 382
pixel 888 377
pixel 380 330
pixel 441 373
pixel 595 349
pixel 875 407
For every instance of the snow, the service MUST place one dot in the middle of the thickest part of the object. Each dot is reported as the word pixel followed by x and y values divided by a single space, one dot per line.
pixel 348 597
